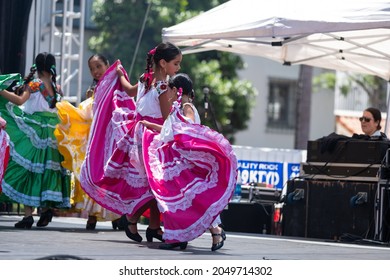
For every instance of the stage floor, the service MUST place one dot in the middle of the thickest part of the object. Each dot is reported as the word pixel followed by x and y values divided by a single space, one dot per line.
pixel 67 236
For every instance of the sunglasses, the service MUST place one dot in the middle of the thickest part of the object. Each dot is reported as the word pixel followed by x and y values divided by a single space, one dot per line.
pixel 365 119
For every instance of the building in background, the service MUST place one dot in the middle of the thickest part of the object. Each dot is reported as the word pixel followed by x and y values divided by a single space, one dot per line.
pixel 272 121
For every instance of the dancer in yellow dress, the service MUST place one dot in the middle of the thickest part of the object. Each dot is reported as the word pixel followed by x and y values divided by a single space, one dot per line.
pixel 72 135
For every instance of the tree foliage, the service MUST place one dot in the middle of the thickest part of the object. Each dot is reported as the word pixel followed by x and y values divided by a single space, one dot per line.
pixel 119 24
pixel 373 86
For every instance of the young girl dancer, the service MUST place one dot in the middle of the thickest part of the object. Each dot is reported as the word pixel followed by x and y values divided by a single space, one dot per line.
pixel 34 175
pixel 117 179
pixel 72 135
pixel 192 171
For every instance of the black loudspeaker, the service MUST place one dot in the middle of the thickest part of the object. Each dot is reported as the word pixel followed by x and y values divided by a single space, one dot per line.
pixel 329 209
pixel 383 212
pixel 248 217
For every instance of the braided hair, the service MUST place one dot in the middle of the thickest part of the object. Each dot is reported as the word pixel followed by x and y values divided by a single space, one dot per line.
pixel 47 62
pixel 19 90
pixel 166 51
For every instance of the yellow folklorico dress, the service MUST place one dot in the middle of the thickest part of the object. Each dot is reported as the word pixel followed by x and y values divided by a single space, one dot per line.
pixel 72 135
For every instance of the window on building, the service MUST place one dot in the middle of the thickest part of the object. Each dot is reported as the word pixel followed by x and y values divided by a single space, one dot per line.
pixel 281 109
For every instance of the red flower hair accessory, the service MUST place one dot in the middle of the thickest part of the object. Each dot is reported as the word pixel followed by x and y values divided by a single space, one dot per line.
pixel 152 51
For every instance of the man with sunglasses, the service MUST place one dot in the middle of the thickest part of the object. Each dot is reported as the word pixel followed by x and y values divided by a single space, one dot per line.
pixel 371 124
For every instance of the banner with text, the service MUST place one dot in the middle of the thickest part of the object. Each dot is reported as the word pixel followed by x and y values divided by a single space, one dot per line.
pixel 274 174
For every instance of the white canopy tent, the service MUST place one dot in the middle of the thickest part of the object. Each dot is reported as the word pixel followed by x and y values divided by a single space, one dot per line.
pixel 344 35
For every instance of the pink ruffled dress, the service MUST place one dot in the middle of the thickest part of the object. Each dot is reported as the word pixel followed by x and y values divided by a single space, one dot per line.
pixel 190 169
pixel 113 173
pixel 192 172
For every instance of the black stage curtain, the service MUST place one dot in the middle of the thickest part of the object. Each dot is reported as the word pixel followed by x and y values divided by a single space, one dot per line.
pixel 14 15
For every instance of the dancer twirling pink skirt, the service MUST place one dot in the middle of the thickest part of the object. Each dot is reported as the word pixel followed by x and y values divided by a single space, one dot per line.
pixel 111 173
pixel 192 171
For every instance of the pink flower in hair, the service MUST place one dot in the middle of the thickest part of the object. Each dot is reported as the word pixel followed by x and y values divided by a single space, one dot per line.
pixel 152 51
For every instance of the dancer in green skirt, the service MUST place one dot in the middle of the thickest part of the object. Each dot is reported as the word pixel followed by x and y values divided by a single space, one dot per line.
pixel 34 175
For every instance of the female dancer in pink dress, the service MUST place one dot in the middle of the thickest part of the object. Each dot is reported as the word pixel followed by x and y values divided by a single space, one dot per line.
pixel 113 173
pixel 72 135
pixel 192 171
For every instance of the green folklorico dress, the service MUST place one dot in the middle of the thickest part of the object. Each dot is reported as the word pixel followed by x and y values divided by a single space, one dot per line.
pixel 34 175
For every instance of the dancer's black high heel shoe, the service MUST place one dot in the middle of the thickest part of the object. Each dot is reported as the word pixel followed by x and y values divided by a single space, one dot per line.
pixel 117 224
pixel 153 233
pixel 133 236
pixel 171 246
pixel 219 244
pixel 45 218
pixel 91 223
pixel 26 222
